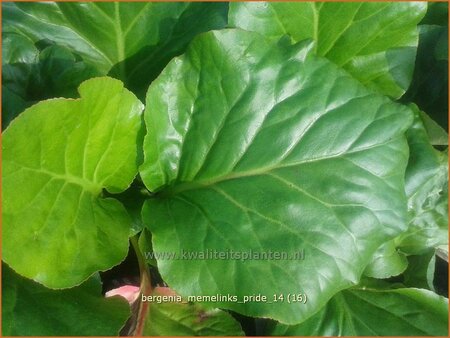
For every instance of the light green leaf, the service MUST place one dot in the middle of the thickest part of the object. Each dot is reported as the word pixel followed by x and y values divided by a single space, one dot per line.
pixel 420 271
pixel 258 145
pixel 368 311
pixel 181 319
pixel 386 262
pixel 58 156
pixel 427 191
pixel 374 41
pixel 130 41
pixel 29 309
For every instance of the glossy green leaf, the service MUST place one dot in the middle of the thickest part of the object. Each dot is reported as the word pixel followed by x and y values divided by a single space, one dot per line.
pixel 387 261
pixel 29 309
pixel 374 41
pixel 182 319
pixel 420 271
pixel 130 41
pixel 258 145
pixel 58 156
pixel 427 190
pixel 369 311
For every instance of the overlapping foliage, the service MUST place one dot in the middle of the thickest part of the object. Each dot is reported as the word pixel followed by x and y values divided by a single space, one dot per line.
pixel 269 127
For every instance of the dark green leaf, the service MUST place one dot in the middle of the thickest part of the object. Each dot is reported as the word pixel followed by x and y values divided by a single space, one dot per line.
pixel 58 156
pixel 59 74
pixel 258 145
pixel 133 199
pixel 130 41
pixel 374 41
pixel 437 14
pixel 376 311
pixel 12 106
pixel 31 75
pixel 429 88
pixel 29 309
pixel 145 245
pixel 19 55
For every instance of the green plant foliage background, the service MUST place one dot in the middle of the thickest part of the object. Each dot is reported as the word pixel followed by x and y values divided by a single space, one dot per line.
pixel 281 126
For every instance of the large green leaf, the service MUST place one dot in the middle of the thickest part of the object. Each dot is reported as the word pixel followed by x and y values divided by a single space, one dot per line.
pixel 169 318
pixel 58 156
pixel 29 309
pixel 374 41
pixel 427 191
pixel 130 41
pixel 258 145
pixel 375 311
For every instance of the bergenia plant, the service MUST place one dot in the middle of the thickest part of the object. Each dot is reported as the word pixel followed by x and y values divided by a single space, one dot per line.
pixel 243 168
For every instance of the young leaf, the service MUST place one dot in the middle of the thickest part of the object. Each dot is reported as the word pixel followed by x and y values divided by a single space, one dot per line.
pixel 258 145
pixel 374 41
pixel 130 41
pixel 57 157
pixel 368 311
pixel 386 262
pixel 29 309
pixel 179 319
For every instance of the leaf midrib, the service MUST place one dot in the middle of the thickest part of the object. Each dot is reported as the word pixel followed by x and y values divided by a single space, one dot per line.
pixel 85 184
pixel 179 187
